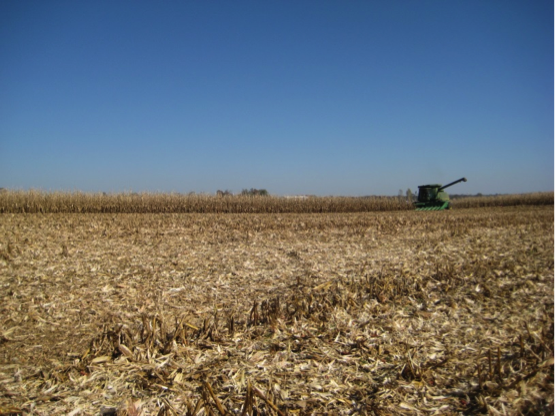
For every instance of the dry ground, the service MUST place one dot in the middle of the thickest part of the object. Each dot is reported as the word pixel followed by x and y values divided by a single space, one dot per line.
pixel 374 313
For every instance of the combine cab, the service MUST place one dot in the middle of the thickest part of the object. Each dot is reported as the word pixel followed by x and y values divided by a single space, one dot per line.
pixel 432 196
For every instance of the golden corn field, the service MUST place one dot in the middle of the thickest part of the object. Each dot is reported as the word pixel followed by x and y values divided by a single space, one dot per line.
pixel 77 202
pixel 131 305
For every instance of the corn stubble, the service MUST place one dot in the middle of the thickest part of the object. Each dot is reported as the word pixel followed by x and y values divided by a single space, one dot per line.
pixel 282 314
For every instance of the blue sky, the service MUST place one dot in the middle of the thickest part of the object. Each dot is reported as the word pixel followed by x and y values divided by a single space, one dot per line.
pixel 297 97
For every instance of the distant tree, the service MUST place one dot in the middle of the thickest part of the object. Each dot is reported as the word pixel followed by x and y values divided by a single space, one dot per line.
pixel 254 191
pixel 410 197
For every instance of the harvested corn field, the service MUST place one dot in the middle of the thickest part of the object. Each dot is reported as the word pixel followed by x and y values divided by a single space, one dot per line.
pixel 201 314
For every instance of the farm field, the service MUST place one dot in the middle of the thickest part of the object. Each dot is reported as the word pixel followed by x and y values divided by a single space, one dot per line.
pixel 401 312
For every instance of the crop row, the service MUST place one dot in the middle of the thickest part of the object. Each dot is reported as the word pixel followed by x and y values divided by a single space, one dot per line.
pixel 77 202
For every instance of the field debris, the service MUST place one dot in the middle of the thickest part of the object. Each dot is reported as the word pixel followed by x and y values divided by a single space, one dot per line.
pixel 441 313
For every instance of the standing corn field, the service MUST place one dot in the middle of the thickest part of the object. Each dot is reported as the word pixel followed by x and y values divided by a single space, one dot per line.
pixel 59 202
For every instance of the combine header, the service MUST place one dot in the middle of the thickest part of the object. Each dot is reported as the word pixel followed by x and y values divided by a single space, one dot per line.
pixel 432 196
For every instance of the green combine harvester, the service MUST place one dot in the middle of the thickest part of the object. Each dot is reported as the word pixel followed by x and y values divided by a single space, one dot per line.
pixel 432 196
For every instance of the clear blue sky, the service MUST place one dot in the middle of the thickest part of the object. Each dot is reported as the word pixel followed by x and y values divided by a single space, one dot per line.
pixel 297 97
